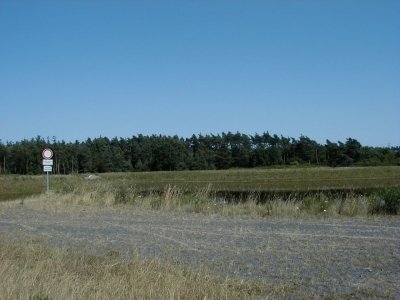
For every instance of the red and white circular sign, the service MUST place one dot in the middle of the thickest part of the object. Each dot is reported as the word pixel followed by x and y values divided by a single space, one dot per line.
pixel 47 153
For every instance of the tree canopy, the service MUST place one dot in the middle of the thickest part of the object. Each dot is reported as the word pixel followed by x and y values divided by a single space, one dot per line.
pixel 199 152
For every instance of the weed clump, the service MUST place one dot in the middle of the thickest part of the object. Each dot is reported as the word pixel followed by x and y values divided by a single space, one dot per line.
pixel 124 194
pixel 316 204
pixel 171 197
pixel 121 195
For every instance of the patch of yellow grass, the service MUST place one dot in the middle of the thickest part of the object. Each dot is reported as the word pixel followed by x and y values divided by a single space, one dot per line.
pixel 29 269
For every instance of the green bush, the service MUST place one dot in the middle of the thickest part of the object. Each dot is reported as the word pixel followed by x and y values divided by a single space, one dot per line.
pixel 316 204
pixel 386 202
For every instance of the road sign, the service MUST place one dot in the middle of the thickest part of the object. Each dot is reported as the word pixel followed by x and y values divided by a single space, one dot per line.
pixel 47 162
pixel 47 153
pixel 47 168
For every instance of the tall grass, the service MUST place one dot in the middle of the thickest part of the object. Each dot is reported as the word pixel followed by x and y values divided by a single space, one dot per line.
pixel 31 270
pixel 208 202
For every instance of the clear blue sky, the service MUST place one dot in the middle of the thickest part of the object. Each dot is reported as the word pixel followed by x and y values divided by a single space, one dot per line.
pixel 78 69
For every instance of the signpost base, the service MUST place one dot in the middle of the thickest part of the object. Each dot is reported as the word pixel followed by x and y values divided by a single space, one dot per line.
pixel 47 182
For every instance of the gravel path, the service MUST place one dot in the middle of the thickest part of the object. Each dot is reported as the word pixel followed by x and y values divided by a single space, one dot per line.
pixel 322 258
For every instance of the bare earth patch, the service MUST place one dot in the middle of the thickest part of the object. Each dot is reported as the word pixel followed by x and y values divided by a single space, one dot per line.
pixel 320 258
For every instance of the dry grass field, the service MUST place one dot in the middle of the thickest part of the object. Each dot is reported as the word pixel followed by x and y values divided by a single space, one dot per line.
pixel 32 270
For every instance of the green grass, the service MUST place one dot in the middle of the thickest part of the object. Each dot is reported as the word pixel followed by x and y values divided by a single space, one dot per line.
pixel 17 186
pixel 290 180
pixel 236 180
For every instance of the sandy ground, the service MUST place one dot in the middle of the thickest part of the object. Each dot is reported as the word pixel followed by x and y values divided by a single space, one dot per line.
pixel 346 258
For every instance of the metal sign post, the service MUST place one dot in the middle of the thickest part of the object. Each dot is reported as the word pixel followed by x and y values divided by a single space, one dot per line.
pixel 47 155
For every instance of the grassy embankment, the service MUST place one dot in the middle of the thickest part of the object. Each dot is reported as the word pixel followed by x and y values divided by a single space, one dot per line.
pixel 262 192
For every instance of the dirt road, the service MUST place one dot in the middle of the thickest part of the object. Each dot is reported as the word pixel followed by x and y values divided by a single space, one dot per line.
pixel 322 258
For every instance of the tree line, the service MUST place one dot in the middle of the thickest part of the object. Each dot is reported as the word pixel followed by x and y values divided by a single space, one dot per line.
pixel 199 152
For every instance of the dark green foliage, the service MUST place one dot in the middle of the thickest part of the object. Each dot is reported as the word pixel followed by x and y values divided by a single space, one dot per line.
pixel 223 157
pixel 343 155
pixel 386 202
pixel 169 153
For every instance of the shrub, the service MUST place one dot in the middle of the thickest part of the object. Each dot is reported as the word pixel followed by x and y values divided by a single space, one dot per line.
pixel 386 202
